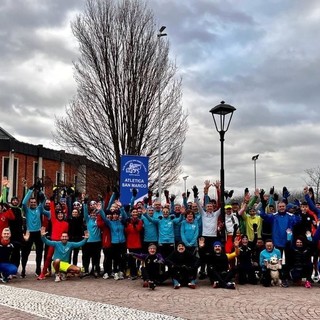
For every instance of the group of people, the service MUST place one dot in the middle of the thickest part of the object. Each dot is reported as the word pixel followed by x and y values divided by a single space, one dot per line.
pixel 260 238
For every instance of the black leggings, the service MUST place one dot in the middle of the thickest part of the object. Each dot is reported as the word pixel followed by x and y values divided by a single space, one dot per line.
pixel 35 238
pixel 91 251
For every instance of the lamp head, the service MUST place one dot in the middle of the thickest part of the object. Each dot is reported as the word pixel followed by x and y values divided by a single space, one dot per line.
pixel 224 113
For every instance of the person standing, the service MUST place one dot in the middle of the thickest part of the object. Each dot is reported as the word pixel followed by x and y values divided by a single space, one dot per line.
pixel 33 213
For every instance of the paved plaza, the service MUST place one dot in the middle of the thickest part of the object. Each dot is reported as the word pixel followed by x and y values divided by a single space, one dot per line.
pixel 91 298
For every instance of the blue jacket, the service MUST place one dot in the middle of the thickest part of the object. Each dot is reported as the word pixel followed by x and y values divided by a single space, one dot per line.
pixel 63 251
pixel 189 233
pixel 92 226
pixel 117 228
pixel 33 216
pixel 150 230
pixel 280 223
pixel 311 205
pixel 165 228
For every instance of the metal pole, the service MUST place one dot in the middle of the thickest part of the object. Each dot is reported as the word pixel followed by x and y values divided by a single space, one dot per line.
pixel 255 174
pixel 159 139
pixel 222 175
pixel 160 34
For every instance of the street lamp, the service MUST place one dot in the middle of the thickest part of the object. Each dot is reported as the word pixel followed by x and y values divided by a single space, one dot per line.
pixel 222 115
pixel 254 159
pixel 159 35
pixel 185 183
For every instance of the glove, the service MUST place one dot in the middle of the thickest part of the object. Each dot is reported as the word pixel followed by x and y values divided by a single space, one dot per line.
pixel 230 193
pixel 226 194
pixel 311 194
pixel 116 193
pixel 70 190
pixel 41 197
pixel 134 192
pixel 272 190
pixel 296 202
pixel 166 193
pixel 255 227
pixel 188 193
pixel 32 187
pixel 275 197
pixel 145 200
pixel 285 193
pixel 86 199
pixel 172 198
pixel 262 192
pixel 38 185
pixel 195 191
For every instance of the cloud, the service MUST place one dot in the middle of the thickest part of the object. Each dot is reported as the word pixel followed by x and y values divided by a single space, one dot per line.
pixel 259 56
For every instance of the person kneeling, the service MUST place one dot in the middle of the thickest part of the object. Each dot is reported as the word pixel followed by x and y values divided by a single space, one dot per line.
pixel 219 271
pixel 183 266
pixel 62 252
pixel 153 267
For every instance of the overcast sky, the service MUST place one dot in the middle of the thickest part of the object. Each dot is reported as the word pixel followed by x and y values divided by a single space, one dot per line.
pixel 262 57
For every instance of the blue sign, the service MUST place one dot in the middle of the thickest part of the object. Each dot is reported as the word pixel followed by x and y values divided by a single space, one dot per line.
pixel 134 174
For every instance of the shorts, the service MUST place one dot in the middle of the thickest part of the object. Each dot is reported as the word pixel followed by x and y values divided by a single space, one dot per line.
pixel 64 266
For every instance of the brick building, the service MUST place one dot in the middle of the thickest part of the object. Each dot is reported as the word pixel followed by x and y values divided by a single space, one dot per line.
pixel 21 160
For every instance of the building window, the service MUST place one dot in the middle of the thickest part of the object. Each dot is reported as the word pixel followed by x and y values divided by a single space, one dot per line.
pixel 58 177
pixel 5 167
pixel 15 178
pixel 6 173
pixel 35 171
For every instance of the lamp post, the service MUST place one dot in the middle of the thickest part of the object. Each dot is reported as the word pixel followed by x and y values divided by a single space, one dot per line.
pixel 185 183
pixel 222 115
pixel 254 159
pixel 159 35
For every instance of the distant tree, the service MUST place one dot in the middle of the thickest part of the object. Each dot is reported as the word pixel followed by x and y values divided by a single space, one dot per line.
pixel 122 74
pixel 313 180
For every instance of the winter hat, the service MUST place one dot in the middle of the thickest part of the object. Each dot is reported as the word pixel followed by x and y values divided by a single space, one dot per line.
pixel 217 243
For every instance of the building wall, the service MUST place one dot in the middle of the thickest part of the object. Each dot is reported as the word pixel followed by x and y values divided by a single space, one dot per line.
pixel 93 181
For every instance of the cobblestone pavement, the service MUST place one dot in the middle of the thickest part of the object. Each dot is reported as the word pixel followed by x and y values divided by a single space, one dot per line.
pixel 246 302
pixel 99 299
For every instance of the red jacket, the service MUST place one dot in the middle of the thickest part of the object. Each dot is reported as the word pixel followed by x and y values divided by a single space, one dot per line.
pixel 4 219
pixel 106 235
pixel 133 232
pixel 58 226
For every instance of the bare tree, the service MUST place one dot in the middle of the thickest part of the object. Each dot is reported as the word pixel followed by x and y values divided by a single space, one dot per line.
pixel 122 69
pixel 313 180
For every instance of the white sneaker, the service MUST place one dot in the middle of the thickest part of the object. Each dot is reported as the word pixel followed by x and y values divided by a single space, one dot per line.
pixel 57 279
pixel 116 276
pixel 106 276
pixel 121 275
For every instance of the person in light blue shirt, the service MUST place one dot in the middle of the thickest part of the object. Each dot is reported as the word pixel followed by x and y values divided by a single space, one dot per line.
pixel 265 256
pixel 62 252
pixel 190 232
pixel 150 231
pixel 33 213
pixel 92 249
pixel 165 225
